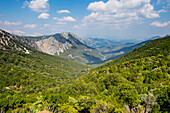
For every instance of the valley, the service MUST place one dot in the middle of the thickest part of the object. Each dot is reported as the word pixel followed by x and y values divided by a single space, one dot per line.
pixel 36 75
pixel 84 56
pixel 90 51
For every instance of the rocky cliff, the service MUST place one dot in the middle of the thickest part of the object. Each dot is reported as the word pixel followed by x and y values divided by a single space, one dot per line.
pixel 58 43
pixel 8 40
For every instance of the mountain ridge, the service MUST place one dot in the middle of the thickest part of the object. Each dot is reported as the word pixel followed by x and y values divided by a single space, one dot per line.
pixel 67 45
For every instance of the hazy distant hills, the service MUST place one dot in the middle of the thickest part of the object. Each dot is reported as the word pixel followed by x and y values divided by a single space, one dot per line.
pixel 111 49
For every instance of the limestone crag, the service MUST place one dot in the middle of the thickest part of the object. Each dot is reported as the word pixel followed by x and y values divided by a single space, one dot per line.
pixel 58 43
pixel 52 46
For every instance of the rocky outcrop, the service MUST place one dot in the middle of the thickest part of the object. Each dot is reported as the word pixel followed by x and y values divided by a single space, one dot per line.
pixel 8 40
pixel 59 43
pixel 52 46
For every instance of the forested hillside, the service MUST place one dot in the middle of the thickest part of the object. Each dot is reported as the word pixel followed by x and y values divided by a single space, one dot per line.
pixel 26 72
pixel 139 83
pixel 136 82
pixel 20 69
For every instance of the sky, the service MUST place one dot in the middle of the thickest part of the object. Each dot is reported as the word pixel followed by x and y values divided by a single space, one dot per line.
pixel 109 19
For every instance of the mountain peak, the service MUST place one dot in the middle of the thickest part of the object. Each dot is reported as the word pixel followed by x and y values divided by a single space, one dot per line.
pixel 69 35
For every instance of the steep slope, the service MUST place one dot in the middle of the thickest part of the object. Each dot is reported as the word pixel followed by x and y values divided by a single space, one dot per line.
pixel 26 71
pixel 67 45
pixel 139 83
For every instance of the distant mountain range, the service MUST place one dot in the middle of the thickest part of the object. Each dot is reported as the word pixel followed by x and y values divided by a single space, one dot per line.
pixel 69 45
pixel 113 49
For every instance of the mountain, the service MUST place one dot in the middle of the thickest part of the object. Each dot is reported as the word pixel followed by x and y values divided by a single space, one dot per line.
pixel 26 72
pixel 98 42
pixel 111 52
pixel 136 82
pixel 158 46
pixel 67 45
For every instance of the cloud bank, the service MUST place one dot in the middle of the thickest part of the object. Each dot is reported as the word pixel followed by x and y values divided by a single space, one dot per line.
pixel 117 12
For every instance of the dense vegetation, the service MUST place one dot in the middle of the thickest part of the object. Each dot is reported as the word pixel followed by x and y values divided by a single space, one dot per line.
pixel 23 74
pixel 136 82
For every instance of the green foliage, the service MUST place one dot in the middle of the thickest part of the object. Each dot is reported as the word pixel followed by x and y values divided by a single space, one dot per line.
pixel 102 107
pixel 65 108
pixel 138 81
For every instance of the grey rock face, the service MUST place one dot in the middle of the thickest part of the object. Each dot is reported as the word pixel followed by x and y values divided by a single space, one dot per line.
pixel 52 46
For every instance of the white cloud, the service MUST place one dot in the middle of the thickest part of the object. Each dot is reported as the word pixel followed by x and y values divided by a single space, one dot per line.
pixel 30 26
pixel 43 16
pixel 119 12
pixel 37 5
pixel 12 23
pixel 66 19
pixel 63 11
pixel 61 23
pixel 46 25
pixel 159 24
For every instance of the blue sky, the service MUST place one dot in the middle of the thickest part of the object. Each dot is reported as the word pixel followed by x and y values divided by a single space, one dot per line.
pixel 112 19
